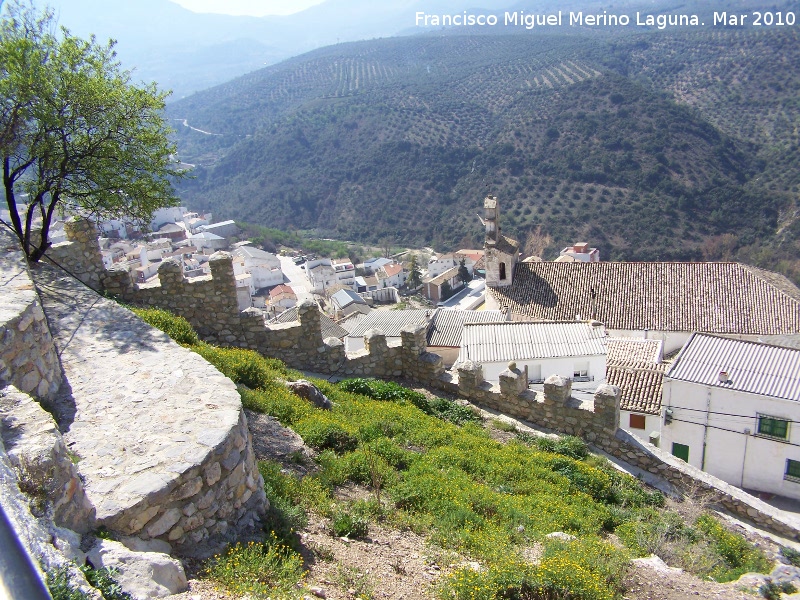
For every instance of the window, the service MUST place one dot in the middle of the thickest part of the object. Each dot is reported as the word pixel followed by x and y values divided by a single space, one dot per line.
pixel 580 370
pixel 773 427
pixel 680 451
pixel 792 470
pixel 502 271
pixel 637 421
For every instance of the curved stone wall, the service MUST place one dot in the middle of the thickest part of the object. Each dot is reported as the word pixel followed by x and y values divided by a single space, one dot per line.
pixel 160 434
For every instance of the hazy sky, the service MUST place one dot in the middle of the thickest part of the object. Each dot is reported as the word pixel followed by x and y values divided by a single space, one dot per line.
pixel 256 8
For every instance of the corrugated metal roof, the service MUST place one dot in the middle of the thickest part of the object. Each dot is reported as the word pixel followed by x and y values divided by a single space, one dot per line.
pixel 328 327
pixel 448 323
pixel 390 322
pixel 493 342
pixel 751 367
pixel 347 297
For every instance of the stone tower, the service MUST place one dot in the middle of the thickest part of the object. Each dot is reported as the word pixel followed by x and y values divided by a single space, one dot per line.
pixel 501 252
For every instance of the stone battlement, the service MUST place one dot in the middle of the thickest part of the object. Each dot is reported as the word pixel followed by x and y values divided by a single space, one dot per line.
pixel 210 305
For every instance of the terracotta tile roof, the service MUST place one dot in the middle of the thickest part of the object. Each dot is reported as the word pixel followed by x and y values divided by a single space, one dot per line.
pixel 281 289
pixel 474 255
pixel 634 351
pixel 391 270
pixel 640 386
pixel 708 297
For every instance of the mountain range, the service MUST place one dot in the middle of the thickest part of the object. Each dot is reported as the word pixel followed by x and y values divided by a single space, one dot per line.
pixel 674 144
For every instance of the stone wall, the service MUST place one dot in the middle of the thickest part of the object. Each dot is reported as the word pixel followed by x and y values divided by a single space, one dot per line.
pixel 36 450
pixel 224 491
pixel 210 306
pixel 80 255
pixel 28 359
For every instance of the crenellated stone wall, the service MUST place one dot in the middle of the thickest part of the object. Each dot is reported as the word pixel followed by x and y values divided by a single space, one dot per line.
pixel 209 304
pixel 28 359
pixel 80 255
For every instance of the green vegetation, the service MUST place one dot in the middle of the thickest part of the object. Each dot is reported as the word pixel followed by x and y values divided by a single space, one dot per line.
pixel 466 493
pixel 657 146
pixel 270 238
pixel 103 580
pixel 75 133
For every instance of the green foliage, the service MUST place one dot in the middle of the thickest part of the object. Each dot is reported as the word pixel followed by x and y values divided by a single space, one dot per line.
pixel 103 580
pixel 268 568
pixel 466 492
pixel 75 132
pixel 568 445
pixel 792 555
pixel 740 557
pixel 392 392
pixel 773 591
pixel 244 366
pixel 57 581
pixel 346 524
pixel 582 570
pixel 325 434
pixel 174 326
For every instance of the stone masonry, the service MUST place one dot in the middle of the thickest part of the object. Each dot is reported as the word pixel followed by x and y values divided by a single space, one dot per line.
pixel 28 358
pixel 209 304
pixel 160 435
pixel 37 452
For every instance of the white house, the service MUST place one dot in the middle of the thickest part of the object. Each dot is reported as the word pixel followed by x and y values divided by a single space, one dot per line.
pixel 322 275
pixel 265 267
pixel 391 276
pixel 576 350
pixel 447 326
pixel 170 214
pixel 345 271
pixel 441 263
pixel 732 409
pixel 226 229
pixel 206 239
pixel 635 367
pixel 581 252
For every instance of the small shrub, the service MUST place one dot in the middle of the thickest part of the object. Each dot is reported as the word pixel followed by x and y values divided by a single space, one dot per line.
pixel 739 556
pixel 59 586
pixel 105 580
pixel 792 555
pixel 323 434
pixel 345 524
pixel 243 366
pixel 773 591
pixel 175 327
pixel 267 568
pixel 501 425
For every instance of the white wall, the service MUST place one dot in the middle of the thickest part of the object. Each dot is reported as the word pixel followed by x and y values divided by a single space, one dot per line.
pixel 750 461
pixel 652 424
pixel 549 366
pixel 264 276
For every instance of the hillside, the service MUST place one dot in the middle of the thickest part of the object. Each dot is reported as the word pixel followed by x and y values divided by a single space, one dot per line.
pixel 675 144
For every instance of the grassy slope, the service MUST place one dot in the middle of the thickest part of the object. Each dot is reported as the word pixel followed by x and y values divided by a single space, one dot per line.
pixel 467 493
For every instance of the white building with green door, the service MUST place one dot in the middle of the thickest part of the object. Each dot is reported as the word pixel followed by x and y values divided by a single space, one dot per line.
pixel 732 409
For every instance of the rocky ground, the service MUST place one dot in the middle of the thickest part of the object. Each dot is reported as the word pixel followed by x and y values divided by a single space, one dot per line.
pixel 397 565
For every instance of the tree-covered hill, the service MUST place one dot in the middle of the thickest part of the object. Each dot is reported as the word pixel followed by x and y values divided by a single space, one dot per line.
pixel 662 145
